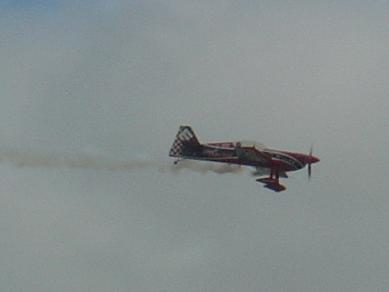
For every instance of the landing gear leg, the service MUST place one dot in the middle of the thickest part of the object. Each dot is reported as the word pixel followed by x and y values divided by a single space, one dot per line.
pixel 277 178
pixel 272 182
pixel 274 176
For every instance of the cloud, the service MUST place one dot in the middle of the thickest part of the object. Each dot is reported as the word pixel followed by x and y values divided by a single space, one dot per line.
pixel 103 85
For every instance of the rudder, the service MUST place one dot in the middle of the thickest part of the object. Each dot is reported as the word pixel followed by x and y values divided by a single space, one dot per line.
pixel 185 138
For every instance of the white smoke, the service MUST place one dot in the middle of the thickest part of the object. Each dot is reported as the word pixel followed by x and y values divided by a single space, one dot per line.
pixel 60 160
pixel 205 167
pixel 37 159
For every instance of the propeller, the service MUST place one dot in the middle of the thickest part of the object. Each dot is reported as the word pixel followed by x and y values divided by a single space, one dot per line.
pixel 310 163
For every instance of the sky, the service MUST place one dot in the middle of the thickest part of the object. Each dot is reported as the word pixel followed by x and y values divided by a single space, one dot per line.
pixel 92 95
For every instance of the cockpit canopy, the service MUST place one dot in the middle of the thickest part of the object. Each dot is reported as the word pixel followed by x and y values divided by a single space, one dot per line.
pixel 251 144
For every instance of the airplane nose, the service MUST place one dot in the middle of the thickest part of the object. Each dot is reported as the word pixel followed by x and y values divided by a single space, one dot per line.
pixel 313 159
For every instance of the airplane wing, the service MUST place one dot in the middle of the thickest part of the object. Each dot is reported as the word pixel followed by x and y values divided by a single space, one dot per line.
pixel 261 171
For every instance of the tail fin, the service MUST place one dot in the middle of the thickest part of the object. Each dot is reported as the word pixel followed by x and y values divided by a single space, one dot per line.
pixel 185 139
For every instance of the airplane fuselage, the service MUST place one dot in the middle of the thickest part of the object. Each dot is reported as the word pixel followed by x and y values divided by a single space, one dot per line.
pixel 230 153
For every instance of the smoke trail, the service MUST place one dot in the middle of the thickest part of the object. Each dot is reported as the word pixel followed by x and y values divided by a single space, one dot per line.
pixel 205 167
pixel 55 160
pixel 85 161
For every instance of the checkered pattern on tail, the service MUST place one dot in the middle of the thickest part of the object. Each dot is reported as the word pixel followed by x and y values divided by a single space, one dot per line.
pixel 184 137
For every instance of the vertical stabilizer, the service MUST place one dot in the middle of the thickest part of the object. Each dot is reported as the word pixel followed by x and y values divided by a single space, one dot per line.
pixel 185 139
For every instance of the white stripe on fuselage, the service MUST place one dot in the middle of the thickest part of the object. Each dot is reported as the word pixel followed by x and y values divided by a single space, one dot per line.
pixel 285 158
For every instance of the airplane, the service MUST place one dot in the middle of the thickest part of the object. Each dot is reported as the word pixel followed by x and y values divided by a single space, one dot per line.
pixel 274 163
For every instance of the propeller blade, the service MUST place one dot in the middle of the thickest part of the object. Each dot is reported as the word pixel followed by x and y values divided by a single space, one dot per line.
pixel 309 163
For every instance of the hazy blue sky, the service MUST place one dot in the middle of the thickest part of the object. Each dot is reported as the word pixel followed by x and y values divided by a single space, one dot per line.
pixel 92 94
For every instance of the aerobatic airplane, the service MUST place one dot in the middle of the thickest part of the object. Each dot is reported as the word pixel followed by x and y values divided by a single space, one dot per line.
pixel 274 163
